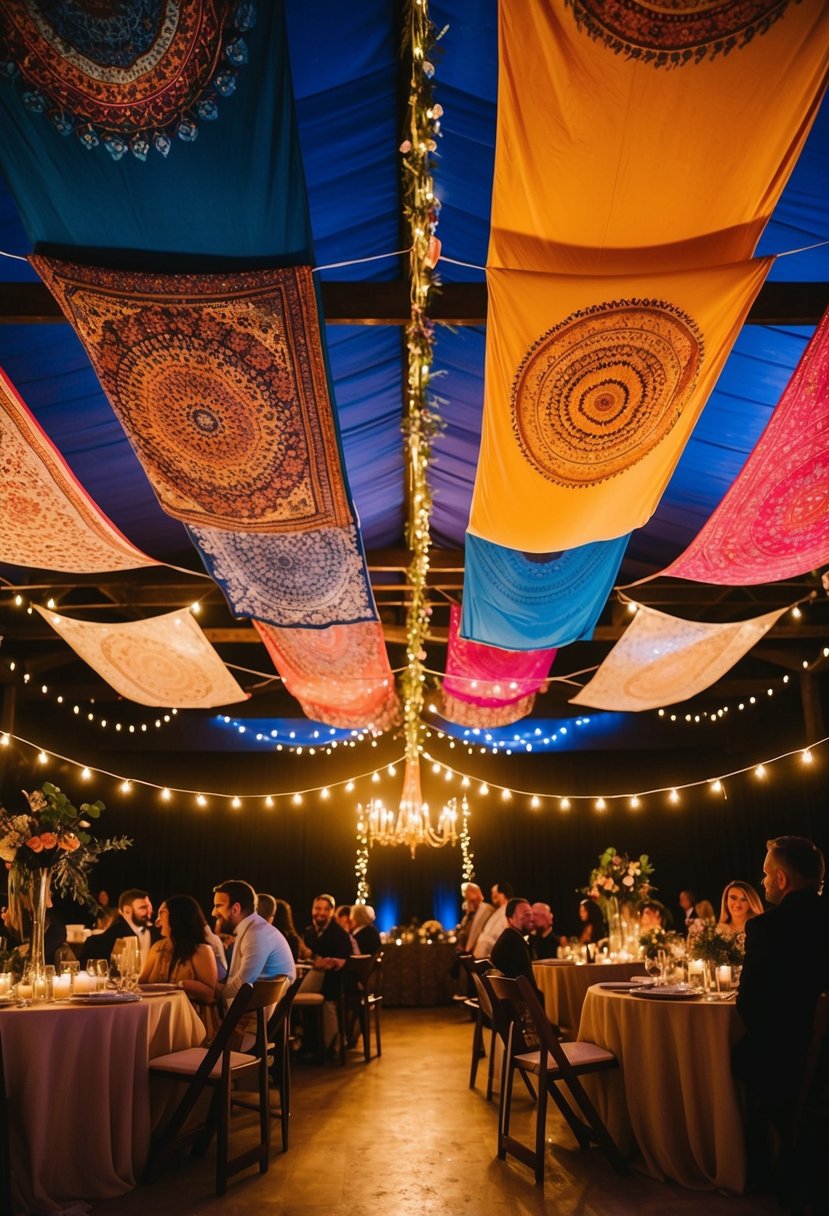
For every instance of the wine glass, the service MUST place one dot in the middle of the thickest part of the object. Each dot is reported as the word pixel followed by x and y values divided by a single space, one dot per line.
pixel 655 966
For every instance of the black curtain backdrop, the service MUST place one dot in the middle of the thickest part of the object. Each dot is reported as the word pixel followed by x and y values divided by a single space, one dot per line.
pixel 297 851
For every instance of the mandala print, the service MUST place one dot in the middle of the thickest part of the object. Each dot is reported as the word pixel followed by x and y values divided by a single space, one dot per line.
pixel 597 393
pixel 312 579
pixel 462 713
pixel 155 669
pixel 220 384
pixel 674 32
pixel 129 76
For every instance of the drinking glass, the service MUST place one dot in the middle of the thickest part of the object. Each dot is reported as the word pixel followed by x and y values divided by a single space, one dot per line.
pixel 655 965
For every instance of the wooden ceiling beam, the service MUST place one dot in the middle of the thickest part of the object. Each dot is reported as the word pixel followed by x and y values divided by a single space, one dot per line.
pixel 454 304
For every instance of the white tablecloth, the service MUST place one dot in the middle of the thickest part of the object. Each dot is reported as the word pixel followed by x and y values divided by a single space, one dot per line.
pixel 79 1094
pixel 674 1097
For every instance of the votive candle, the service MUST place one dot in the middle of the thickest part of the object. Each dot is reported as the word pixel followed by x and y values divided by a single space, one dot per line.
pixel 61 987
pixel 24 991
pixel 724 976
pixel 696 967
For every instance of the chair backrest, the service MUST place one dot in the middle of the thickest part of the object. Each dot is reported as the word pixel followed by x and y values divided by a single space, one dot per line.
pixel 361 967
pixel 530 1028
pixel 251 998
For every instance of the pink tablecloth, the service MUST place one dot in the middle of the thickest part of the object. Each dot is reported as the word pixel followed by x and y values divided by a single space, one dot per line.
pixel 79 1095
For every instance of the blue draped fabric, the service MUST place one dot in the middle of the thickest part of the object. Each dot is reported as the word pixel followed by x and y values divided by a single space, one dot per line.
pixel 524 601
pixel 236 191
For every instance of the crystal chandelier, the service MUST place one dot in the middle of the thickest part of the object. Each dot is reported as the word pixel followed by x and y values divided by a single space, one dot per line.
pixel 412 825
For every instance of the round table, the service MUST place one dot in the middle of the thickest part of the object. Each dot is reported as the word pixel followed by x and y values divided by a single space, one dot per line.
pixel 673 1097
pixel 79 1098
pixel 565 985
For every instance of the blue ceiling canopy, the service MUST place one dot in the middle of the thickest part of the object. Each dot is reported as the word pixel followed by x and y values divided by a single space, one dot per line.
pixel 350 85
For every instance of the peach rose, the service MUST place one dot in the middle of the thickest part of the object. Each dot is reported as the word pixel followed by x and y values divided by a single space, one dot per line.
pixel 35 844
pixel 69 842
pixel 49 839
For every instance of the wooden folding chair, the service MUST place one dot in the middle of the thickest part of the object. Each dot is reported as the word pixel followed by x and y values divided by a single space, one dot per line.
pixel 5 1149
pixel 278 1052
pixel 534 1050
pixel 361 995
pixel 216 1068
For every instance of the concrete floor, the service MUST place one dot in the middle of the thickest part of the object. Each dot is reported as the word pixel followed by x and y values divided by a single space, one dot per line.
pixel 405 1136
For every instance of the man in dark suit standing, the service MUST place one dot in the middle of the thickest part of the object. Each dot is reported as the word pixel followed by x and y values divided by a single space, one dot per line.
pixel 135 917
pixel 786 966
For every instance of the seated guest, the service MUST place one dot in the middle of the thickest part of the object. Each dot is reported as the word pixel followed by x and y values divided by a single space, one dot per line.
pixel 363 929
pixel 653 915
pixel 511 954
pixel 592 922
pixel 786 965
pixel 497 922
pixel 284 921
pixel 135 916
pixel 543 941
pixel 687 902
pixel 740 902
pixel 260 952
pixel 343 917
pixel 266 907
pixel 330 946
pixel 705 912
pixel 183 957
pixel 476 913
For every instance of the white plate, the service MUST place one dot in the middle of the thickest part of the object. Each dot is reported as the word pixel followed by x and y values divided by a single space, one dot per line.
pixel 625 985
pixel 106 998
pixel 554 962
pixel 157 989
pixel 668 993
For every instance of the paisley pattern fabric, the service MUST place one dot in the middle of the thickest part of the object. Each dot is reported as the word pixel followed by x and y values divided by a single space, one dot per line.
pixel 774 521
pixel 340 675
pixel 487 676
pixel 312 579
pixel 531 602
pixel 600 390
pixel 47 520
pixel 466 714
pixel 165 661
pixel 220 383
pixel 584 424
pixel 130 75
pixel 676 31
pixel 661 660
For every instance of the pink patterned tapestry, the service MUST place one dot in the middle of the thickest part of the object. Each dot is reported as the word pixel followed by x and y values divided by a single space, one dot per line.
pixel 774 521
pixel 165 661
pixel 487 676
pixel 463 713
pixel 339 675
pixel 47 520
pixel 661 660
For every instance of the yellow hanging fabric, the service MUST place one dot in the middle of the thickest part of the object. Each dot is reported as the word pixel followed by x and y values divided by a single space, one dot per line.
pixel 592 387
pixel 636 134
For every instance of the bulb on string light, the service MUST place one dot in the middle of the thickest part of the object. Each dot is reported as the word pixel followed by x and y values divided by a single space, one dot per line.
pixel 85 774
pixel 806 756
pixel 42 757
pixel 760 771
pixel 296 799
pixel 484 789
pixel 325 793
pixel 165 795
pixel 535 802
pixel 673 796
pixel 634 802
pixel 349 787
pixel 715 786
pixel 236 803
pixel 564 804
pixel 506 795
pixel 600 804
pixel 126 787
pixel 201 800
pixel 269 802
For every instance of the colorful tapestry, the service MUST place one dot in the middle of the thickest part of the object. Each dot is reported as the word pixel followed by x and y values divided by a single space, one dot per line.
pixel 534 601
pixel 128 76
pixel 485 716
pixel 312 579
pixel 592 388
pixel 220 384
pixel 47 520
pixel 487 676
pixel 340 676
pixel 648 134
pixel 661 660
pixel 164 661
pixel 774 520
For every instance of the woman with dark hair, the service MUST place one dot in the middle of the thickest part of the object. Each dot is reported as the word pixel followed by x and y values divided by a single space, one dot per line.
pixel 592 922
pixel 283 919
pixel 183 957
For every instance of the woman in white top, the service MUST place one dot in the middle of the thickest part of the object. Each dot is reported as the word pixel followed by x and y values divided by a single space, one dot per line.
pixel 739 903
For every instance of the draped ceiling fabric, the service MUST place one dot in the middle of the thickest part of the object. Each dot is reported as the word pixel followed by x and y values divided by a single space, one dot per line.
pixel 528 601
pixel 674 127
pixel 774 521
pixel 165 661
pixel 592 388
pixel 661 660
pixel 340 676
pixel 47 520
pixel 485 686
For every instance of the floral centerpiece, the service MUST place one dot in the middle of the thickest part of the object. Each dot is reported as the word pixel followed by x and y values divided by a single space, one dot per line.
pixel 49 844
pixel 620 883
pixel 656 939
pixel 714 946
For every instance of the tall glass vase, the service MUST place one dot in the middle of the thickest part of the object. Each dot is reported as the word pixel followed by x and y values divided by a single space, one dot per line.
pixel 615 928
pixel 39 895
